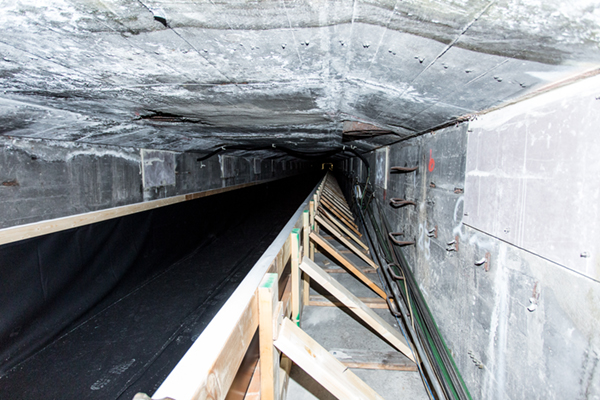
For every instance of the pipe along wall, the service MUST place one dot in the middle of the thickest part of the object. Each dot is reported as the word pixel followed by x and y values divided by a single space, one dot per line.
pixel 107 310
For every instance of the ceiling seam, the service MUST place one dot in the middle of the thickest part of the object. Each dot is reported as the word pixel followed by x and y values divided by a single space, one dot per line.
pixel 456 39
pixel 348 56
pixel 287 15
pixel 379 45
pixel 51 61
pixel 191 45
pixel 444 51
pixel 132 44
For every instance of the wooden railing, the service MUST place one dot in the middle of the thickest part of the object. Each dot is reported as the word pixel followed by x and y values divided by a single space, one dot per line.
pixel 223 362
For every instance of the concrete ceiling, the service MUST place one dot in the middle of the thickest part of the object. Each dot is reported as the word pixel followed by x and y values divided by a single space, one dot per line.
pixel 191 75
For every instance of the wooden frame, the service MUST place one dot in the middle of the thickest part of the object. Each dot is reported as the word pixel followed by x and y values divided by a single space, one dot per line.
pixel 355 305
pixel 345 242
pixel 209 367
pixel 347 264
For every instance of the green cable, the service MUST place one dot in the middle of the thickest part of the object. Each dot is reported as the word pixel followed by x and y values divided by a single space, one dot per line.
pixel 434 349
pixel 441 338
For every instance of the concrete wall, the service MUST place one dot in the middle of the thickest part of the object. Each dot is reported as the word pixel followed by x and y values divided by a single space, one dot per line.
pixel 520 185
pixel 41 180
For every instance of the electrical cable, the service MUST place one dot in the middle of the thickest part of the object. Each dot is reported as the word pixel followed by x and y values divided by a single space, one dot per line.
pixel 453 382
pixel 387 286
pixel 443 373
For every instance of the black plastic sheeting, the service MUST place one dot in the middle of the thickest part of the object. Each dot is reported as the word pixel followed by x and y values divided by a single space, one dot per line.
pixel 107 310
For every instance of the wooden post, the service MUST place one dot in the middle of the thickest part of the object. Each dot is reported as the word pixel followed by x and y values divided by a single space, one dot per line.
pixel 311 209
pixel 295 247
pixel 269 358
pixel 312 222
pixel 306 245
pixel 305 231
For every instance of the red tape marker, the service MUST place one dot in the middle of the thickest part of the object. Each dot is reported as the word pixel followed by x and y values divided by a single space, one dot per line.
pixel 431 162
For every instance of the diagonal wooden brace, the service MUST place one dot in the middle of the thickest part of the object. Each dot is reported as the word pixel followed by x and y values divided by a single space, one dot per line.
pixel 384 329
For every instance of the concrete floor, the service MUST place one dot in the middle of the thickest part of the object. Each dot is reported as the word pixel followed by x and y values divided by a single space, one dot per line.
pixel 336 328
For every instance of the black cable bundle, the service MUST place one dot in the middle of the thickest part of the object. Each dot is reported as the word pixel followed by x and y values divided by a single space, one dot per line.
pixel 438 370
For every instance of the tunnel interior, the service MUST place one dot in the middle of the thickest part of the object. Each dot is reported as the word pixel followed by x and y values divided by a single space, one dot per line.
pixel 493 106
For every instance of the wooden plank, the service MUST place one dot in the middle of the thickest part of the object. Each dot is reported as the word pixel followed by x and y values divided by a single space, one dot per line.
pixel 311 210
pixel 253 392
pixel 316 201
pixel 334 189
pixel 330 301
pixel 342 205
pixel 365 270
pixel 346 263
pixel 335 209
pixel 321 365
pixel 341 226
pixel 346 251
pixel 20 232
pixel 342 220
pixel 269 358
pixel 305 231
pixel 355 305
pixel 343 251
pixel 338 202
pixel 295 247
pixel 344 241
pixel 369 359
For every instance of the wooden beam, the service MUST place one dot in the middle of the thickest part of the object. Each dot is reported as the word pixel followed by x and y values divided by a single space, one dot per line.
pixel 269 358
pixel 355 305
pixel 330 301
pixel 311 209
pixel 364 270
pixel 346 251
pixel 334 188
pixel 335 209
pixel 344 241
pixel 341 226
pixel 342 220
pixel 20 232
pixel 253 391
pixel 341 204
pixel 321 365
pixel 346 263
pixel 369 359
